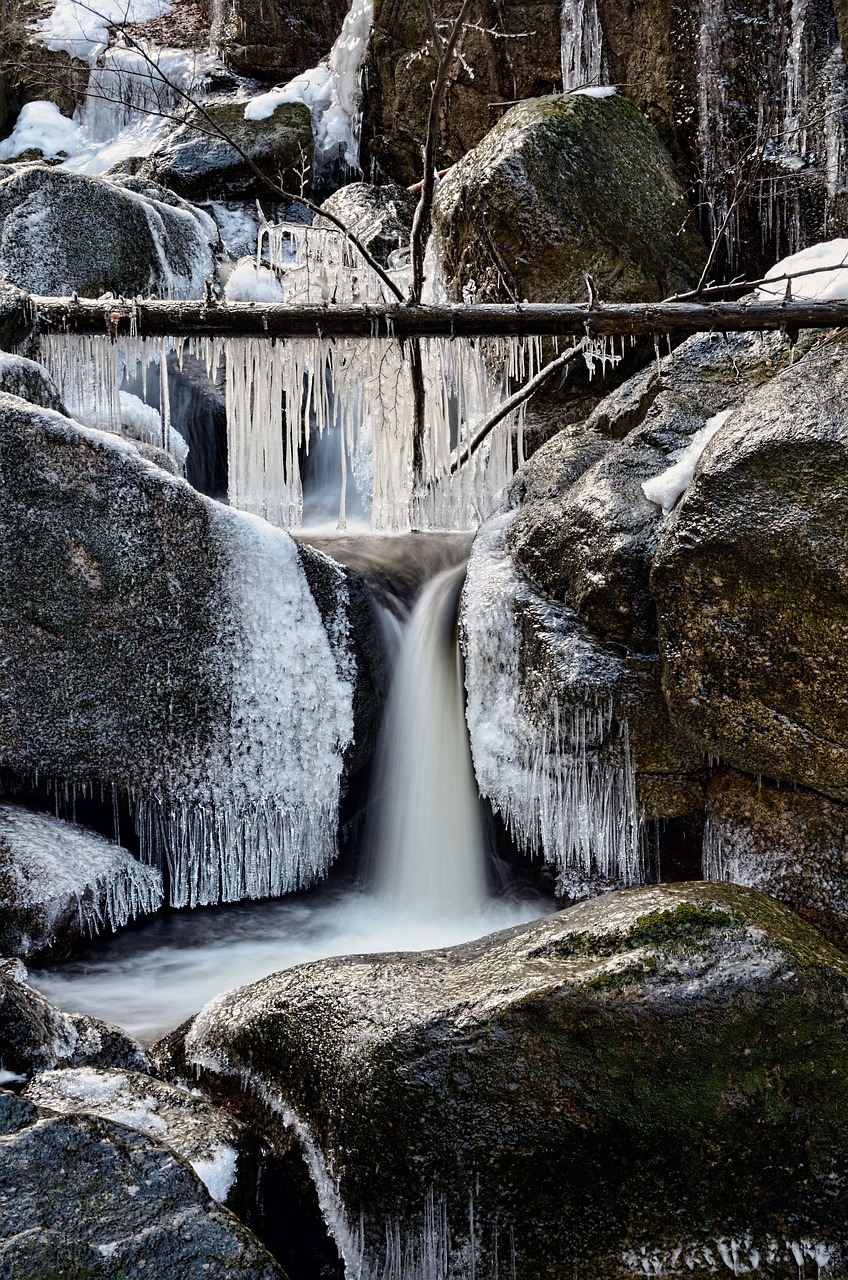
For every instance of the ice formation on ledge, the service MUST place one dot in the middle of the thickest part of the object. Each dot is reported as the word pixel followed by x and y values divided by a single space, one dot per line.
pixel 561 775
pixel 665 488
pixel 819 274
pixel 256 815
pixel 54 864
pixel 250 282
pixel 332 91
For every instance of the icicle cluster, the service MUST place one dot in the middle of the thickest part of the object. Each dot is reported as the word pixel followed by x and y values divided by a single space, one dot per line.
pixel 582 50
pixel 563 780
pixel 56 865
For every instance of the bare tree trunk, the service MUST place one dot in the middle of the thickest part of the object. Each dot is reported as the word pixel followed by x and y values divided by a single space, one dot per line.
pixel 160 318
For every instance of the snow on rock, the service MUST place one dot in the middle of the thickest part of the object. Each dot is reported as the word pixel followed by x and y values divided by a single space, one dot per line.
pixel 141 421
pixel 666 488
pixel 62 882
pixel 41 127
pixel 595 91
pixel 249 282
pixel 83 29
pixel 209 1139
pixel 819 274
pixel 29 380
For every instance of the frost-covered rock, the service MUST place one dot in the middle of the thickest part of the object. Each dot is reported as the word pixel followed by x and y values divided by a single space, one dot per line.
pixel 660 1074
pixel 787 841
pixel 35 1036
pixel 60 883
pixel 276 39
pixel 750 580
pixel 199 159
pixel 588 535
pixel 560 187
pixel 221 1150
pixel 64 232
pixel 570 736
pixel 159 643
pixel 83 1196
pixel 380 216
pixel 30 381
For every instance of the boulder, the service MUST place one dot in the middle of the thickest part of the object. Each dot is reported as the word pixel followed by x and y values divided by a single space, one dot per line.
pixel 587 535
pixel 570 736
pixel 62 233
pixel 60 883
pixel 86 1197
pixel 786 841
pixel 509 52
pixel 221 1151
pixel 30 381
pixel 205 156
pixel 168 649
pixel 276 39
pixel 750 580
pixel 563 186
pixel 36 1036
pixel 380 216
pixel 652 1077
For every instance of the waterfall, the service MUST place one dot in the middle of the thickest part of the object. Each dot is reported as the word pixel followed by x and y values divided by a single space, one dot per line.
pixel 430 855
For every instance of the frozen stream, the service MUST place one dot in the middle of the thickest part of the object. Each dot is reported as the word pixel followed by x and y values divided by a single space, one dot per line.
pixel 152 977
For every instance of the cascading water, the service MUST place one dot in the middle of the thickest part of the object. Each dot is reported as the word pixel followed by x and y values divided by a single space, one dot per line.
pixel 430 854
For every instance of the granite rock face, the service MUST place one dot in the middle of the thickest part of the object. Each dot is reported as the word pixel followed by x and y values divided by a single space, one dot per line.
pixel 599 1085
pixel 86 1197
pixel 276 39
pixel 750 580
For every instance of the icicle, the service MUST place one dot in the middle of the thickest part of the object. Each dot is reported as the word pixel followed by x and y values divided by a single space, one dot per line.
pixel 582 45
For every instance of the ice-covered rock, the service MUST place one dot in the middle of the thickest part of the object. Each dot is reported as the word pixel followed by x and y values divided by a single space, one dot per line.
pixel 159 644
pixel 220 1149
pixel 381 217
pixel 750 580
pixel 205 155
pixel 63 232
pixel 560 187
pixel 60 883
pixel 646 1074
pixel 85 1196
pixel 35 1036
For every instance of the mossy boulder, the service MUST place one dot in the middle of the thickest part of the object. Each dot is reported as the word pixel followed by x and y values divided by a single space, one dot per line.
pixel 652 1075
pixel 562 187
pixel 86 1197
pixel 64 232
pixel 750 580
pixel 204 157
pixel 790 842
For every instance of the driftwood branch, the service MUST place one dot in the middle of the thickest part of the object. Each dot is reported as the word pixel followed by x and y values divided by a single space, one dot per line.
pixel 180 319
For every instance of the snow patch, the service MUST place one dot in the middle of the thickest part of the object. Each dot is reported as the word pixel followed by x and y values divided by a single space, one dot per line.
pixel 42 127
pixel 218 1173
pixel 666 488
pixel 82 29
pixel 596 91
pixel 10 1077
pixel 820 274
pixel 251 283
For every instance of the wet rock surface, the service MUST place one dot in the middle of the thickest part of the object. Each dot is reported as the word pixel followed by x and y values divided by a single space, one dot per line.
pixel 205 156
pixel 600 1085
pixel 563 186
pixel 35 1036
pixel 276 39
pixel 87 1197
